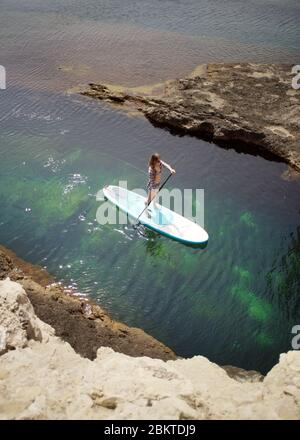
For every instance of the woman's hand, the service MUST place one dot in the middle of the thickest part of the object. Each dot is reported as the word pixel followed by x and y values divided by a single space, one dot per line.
pixel 172 171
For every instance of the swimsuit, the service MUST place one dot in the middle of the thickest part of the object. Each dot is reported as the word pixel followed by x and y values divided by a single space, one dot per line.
pixel 152 184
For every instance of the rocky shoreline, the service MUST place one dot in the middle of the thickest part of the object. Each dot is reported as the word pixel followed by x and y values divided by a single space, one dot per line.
pixel 85 325
pixel 64 358
pixel 249 107
pixel 81 323
pixel 42 377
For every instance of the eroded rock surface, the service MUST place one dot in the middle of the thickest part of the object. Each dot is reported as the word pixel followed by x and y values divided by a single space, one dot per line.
pixel 43 378
pixel 250 107
pixel 18 322
pixel 85 325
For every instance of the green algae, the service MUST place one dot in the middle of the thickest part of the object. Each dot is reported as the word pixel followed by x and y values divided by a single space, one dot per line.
pixel 284 280
pixel 156 248
pixel 278 283
pixel 244 275
pixel 257 308
pixel 46 200
pixel 247 219
pixel 264 340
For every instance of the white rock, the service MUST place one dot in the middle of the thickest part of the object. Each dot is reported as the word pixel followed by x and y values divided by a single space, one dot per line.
pixel 16 316
pixel 43 378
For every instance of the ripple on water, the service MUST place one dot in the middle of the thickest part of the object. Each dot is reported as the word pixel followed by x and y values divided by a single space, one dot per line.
pixel 234 301
pixel 144 50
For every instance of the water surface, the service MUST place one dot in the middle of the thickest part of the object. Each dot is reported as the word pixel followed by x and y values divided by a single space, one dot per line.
pixel 234 301
pixel 54 43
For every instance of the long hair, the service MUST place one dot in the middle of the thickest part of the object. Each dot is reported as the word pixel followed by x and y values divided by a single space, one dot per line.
pixel 153 159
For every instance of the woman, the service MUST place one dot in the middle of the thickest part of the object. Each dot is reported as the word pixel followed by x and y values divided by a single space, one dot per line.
pixel 154 170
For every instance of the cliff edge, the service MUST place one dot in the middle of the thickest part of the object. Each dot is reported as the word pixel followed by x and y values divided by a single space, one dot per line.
pixel 42 377
pixel 83 324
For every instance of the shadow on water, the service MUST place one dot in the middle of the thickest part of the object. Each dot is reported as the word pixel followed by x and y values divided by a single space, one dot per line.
pixel 285 273
pixel 251 146
pixel 154 241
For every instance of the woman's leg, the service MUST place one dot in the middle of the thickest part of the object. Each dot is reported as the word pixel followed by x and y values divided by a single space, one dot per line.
pixel 151 194
pixel 148 198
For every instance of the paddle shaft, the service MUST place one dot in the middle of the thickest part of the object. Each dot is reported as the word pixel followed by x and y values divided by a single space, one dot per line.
pixel 160 188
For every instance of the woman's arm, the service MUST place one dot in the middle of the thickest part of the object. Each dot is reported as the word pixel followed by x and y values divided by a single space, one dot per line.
pixel 168 167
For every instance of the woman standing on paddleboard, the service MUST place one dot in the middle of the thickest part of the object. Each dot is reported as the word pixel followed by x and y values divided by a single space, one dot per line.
pixel 154 171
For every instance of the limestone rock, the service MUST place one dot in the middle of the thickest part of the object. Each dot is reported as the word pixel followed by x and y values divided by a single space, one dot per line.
pixel 18 322
pixel 6 265
pixel 43 378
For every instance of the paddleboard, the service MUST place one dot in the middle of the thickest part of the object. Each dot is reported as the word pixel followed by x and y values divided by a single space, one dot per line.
pixel 162 220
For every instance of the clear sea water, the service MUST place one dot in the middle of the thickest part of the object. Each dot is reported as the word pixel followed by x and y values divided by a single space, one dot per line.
pixel 234 301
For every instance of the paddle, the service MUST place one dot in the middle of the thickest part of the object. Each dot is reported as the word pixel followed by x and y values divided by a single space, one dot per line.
pixel 160 188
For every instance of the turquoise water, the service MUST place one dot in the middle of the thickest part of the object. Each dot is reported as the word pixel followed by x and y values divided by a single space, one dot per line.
pixel 234 301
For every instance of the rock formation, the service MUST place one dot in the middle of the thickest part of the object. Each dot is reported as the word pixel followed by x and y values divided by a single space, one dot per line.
pixel 41 377
pixel 85 325
pixel 250 107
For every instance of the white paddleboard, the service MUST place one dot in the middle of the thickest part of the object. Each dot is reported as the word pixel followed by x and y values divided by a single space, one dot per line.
pixel 161 219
